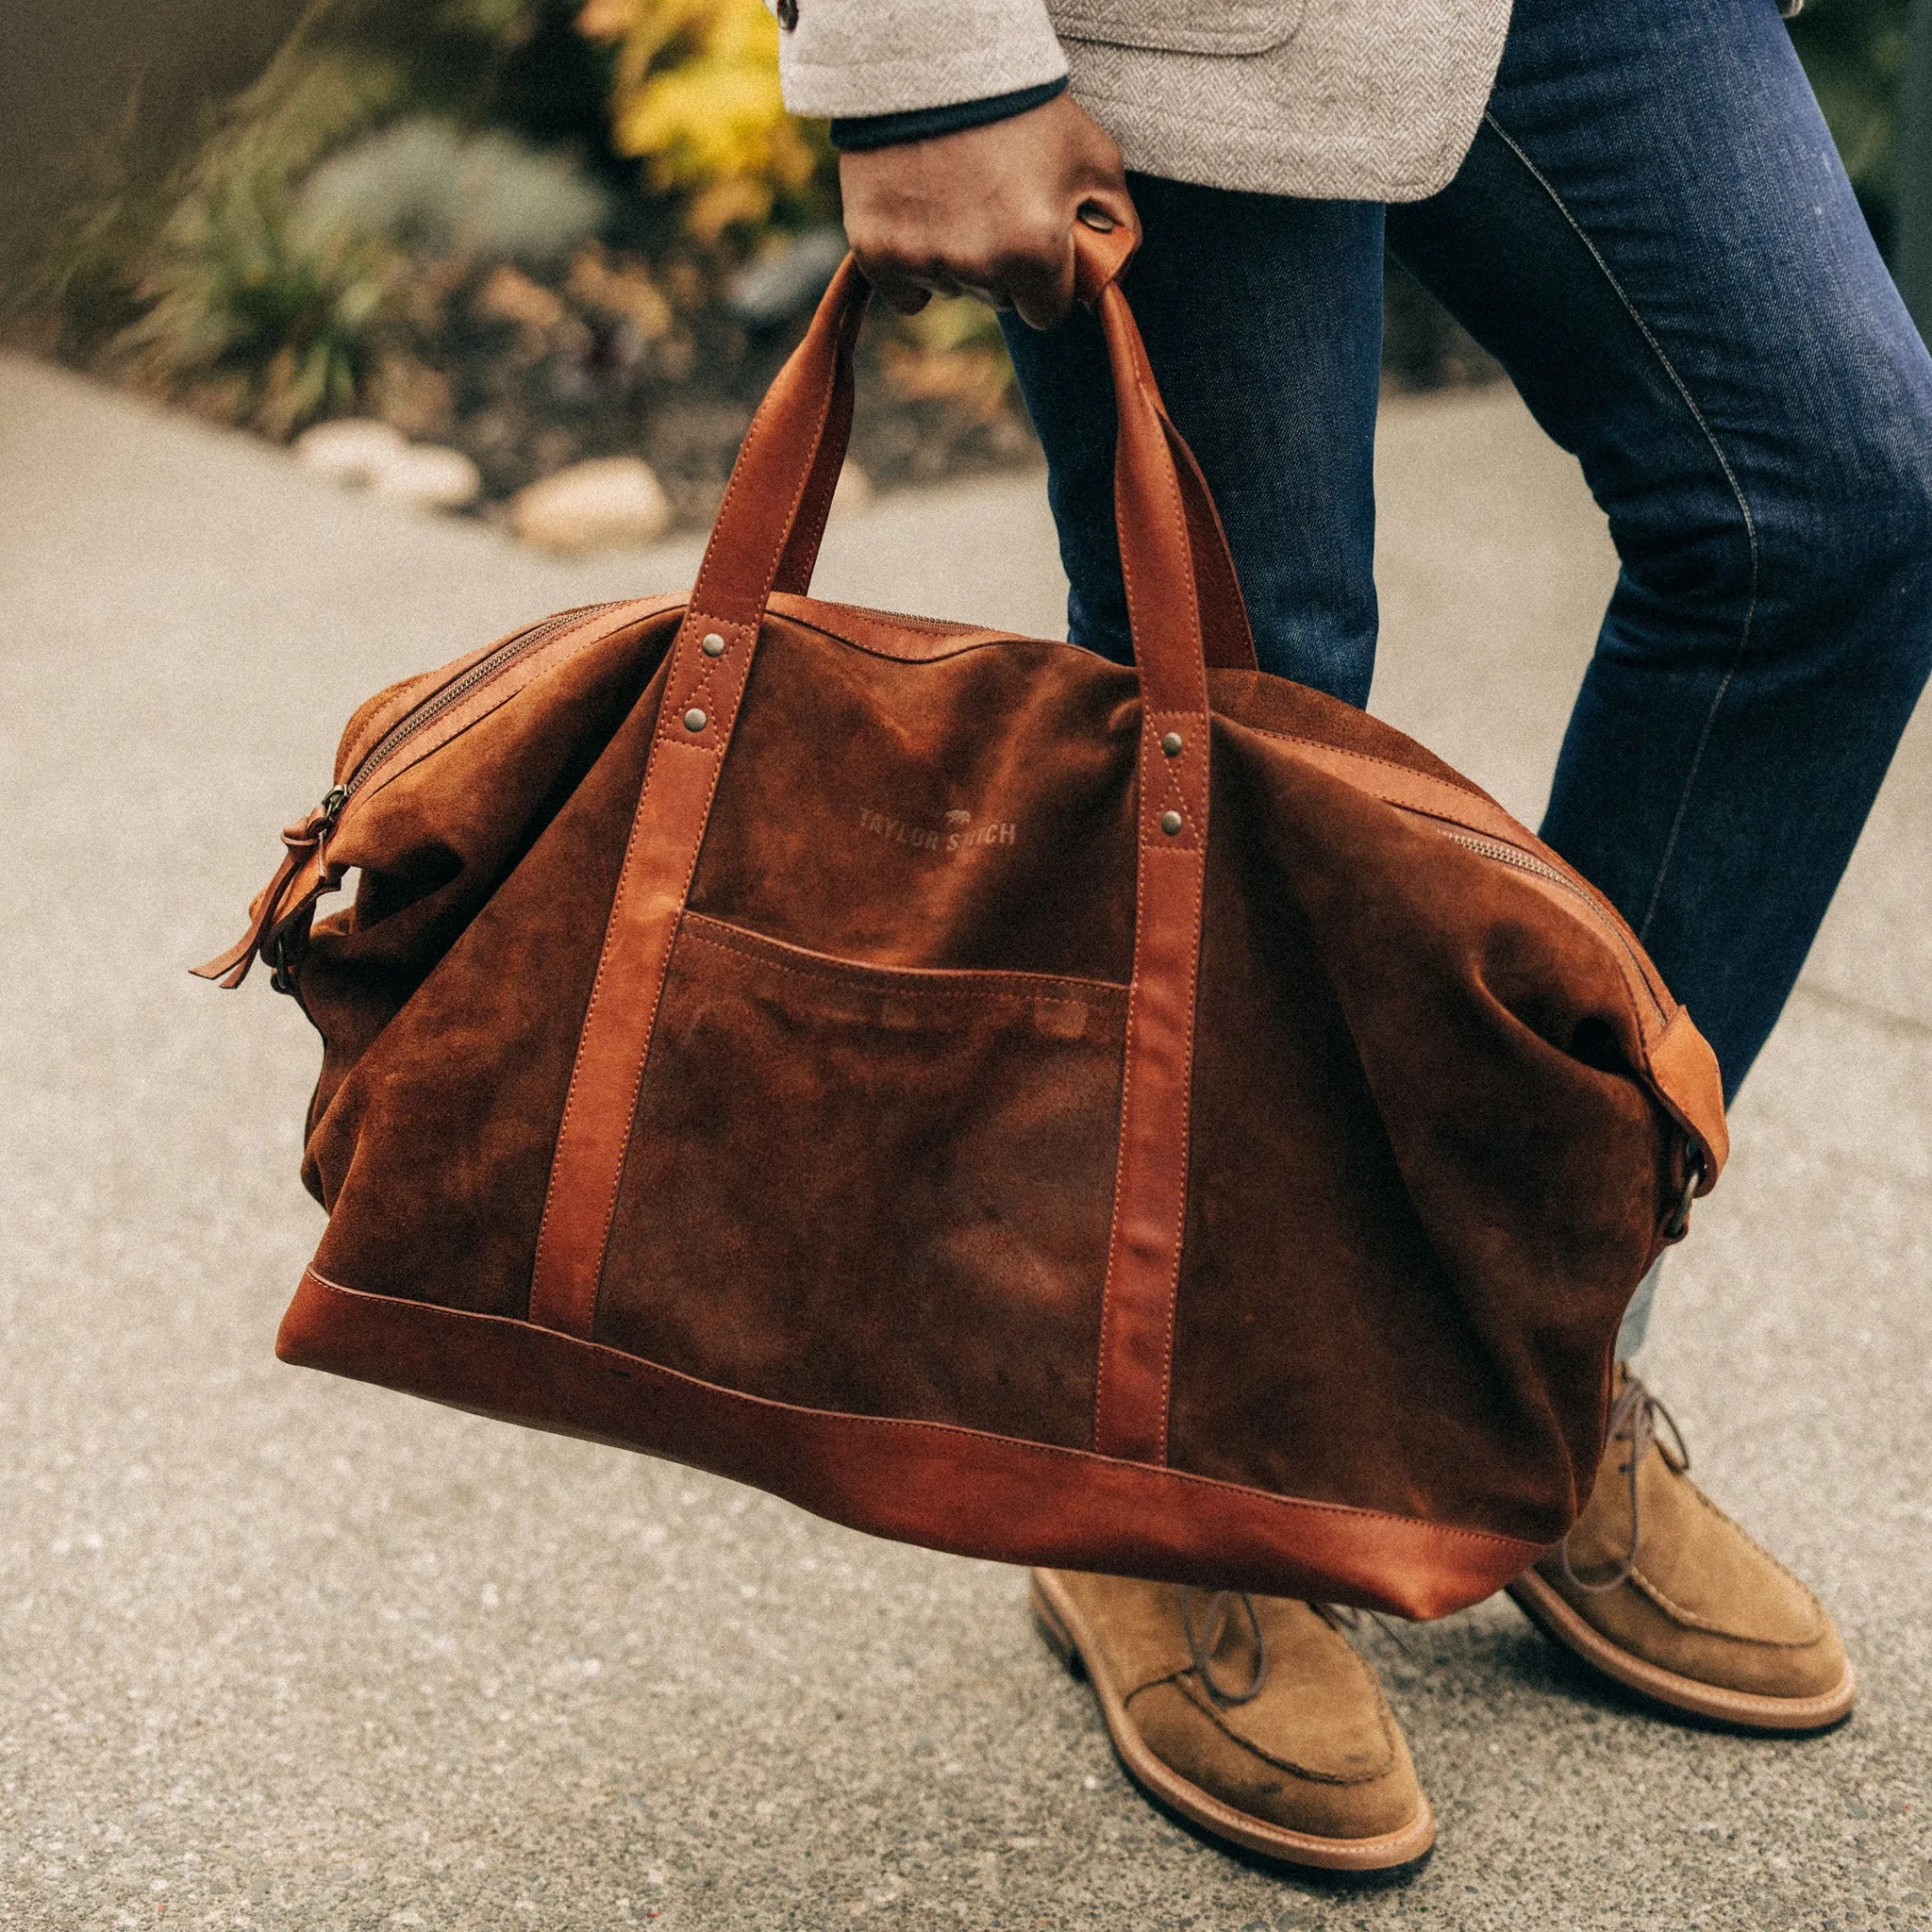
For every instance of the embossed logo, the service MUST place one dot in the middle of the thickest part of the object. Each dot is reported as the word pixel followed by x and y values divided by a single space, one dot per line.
pixel 956 835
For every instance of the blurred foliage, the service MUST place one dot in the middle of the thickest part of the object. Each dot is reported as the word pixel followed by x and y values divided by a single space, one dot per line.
pixel 1854 52
pixel 277 327
pixel 696 99
pixel 518 66
pixel 520 225
pixel 439 191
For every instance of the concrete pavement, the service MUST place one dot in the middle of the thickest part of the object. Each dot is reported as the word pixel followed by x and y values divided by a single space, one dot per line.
pixel 284 1653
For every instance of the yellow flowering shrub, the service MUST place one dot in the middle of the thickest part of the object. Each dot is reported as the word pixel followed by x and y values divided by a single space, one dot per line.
pixel 696 100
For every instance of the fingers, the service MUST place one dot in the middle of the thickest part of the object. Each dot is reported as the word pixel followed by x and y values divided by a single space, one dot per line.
pixel 986 211
pixel 1028 267
pixel 1040 281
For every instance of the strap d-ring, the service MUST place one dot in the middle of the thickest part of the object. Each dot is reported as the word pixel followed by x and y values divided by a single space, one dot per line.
pixel 1678 1224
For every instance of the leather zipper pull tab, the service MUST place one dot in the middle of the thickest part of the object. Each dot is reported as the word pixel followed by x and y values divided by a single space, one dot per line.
pixel 306 837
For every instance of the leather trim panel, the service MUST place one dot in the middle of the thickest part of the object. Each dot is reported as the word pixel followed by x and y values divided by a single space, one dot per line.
pixel 946 1488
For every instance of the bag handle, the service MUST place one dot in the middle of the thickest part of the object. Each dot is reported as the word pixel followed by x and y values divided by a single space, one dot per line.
pixel 1183 604
pixel 809 426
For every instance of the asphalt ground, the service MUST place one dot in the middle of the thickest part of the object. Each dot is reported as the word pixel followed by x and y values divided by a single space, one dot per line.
pixel 282 1652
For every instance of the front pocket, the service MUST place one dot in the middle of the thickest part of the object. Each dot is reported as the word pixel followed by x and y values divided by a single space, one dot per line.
pixel 877 1190
pixel 1180 26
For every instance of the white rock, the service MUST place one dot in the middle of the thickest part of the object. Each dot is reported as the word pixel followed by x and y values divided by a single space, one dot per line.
pixel 607 502
pixel 434 478
pixel 354 450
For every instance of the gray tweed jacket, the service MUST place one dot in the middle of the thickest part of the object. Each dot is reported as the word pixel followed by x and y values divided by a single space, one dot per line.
pixel 1364 100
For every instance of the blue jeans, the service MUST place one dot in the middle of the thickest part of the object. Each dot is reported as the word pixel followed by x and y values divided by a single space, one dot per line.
pixel 1654 237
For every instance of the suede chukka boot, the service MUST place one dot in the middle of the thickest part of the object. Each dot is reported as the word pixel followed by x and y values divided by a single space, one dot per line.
pixel 1662 1591
pixel 1253 1717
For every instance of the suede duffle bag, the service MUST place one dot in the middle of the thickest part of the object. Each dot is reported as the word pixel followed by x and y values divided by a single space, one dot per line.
pixel 1156 1121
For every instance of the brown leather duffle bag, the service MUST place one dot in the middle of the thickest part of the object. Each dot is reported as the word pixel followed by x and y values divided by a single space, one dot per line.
pixel 1159 1120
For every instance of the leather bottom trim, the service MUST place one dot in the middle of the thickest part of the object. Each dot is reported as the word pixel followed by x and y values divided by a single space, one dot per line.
pixel 1748 1710
pixel 944 1487
pixel 1066 1632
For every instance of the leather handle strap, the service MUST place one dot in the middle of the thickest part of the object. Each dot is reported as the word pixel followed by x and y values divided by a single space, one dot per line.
pixel 1164 610
pixel 1101 251
pixel 703 682
pixel 1183 602
pixel 1099 256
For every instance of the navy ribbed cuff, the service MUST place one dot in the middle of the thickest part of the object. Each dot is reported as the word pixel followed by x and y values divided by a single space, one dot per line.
pixel 855 133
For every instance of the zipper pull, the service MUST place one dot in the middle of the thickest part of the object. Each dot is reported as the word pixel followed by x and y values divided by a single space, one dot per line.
pixel 310 834
pixel 307 834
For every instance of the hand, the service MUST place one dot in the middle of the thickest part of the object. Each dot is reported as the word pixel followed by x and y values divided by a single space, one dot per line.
pixel 988 211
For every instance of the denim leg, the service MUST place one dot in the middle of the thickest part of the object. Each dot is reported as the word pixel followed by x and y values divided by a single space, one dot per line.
pixel 1655 235
pixel 1263 318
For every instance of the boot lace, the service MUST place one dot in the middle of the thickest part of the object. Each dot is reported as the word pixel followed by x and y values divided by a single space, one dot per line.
pixel 1203 1638
pixel 1634 1419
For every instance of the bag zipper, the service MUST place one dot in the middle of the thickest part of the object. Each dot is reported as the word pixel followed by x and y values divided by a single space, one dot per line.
pixel 433 706
pixel 1527 861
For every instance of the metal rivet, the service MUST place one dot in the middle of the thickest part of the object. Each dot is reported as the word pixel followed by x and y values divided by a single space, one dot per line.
pixel 1171 744
pixel 711 644
pixel 694 720
pixel 1170 823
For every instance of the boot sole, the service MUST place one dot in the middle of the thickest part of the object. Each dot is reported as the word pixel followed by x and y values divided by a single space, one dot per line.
pixel 1747 1709
pixel 1068 1636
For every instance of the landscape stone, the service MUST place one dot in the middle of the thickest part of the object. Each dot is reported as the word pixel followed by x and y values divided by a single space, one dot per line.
pixel 606 503
pixel 354 450
pixel 432 477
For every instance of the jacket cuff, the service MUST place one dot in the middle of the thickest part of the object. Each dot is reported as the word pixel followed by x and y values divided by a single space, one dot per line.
pixel 857 134
pixel 856 60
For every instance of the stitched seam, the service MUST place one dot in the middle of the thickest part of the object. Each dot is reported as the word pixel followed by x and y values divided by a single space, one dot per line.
pixel 1368 757
pixel 572 1091
pixel 428 684
pixel 1692 1621
pixel 1197 864
pixel 1109 1300
pixel 1197 875
pixel 885 657
pixel 1196 855
pixel 1178 509
pixel 855 971
pixel 656 999
pixel 1162 1471
pixel 936 627
pixel 511 683
pixel 692 617
pixel 1690 403
pixel 1201 1702
pixel 1170 767
pixel 1535 850
pixel 848 329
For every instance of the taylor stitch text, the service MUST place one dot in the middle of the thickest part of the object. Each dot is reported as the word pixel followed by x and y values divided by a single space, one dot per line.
pixel 931 838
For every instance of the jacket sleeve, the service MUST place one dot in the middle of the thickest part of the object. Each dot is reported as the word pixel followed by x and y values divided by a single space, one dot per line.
pixel 858 59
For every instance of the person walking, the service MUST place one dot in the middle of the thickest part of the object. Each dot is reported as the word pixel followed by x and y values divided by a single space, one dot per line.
pixel 1637 210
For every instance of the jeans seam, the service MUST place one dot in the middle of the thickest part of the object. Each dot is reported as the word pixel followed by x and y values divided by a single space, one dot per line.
pixel 1737 489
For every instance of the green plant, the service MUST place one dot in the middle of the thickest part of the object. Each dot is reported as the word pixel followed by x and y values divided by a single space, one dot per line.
pixel 428 186
pixel 286 325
